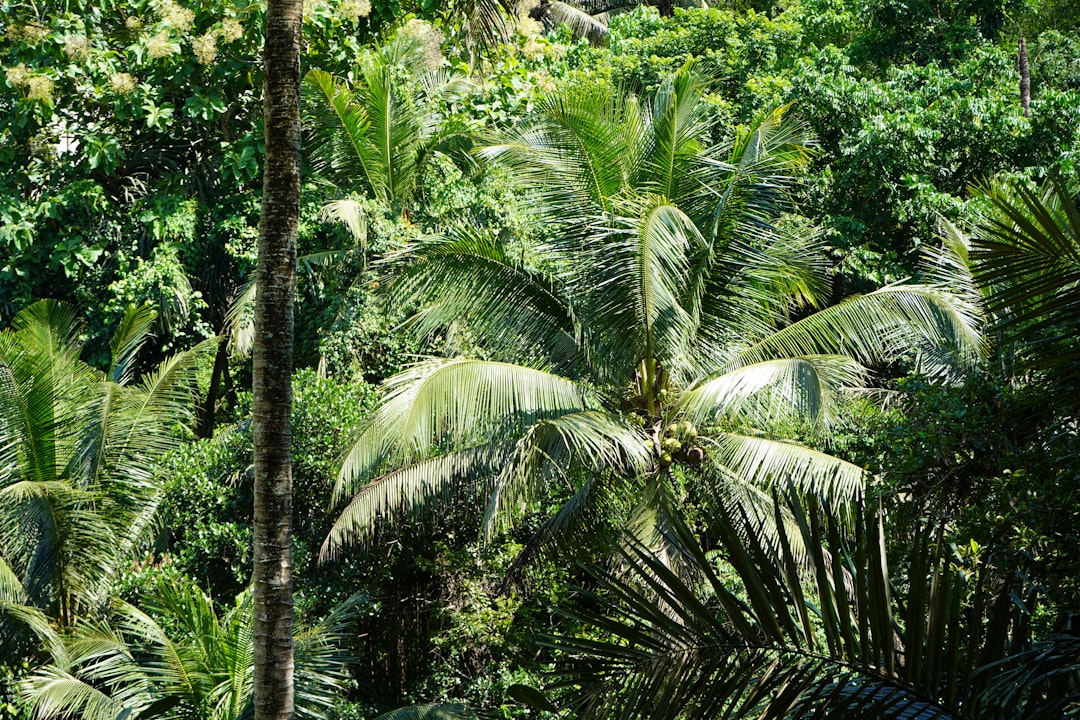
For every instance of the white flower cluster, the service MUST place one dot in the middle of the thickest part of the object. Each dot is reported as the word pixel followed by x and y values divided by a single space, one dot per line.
pixel 17 76
pixel 353 10
pixel 532 48
pixel 175 15
pixel 30 34
pixel 231 30
pixel 123 83
pixel 526 26
pixel 76 47
pixel 160 46
pixel 38 87
pixel 205 48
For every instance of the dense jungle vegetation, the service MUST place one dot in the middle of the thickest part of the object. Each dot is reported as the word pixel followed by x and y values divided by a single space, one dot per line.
pixel 666 360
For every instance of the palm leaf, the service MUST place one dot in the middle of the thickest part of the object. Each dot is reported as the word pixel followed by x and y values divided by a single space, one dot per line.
pixel 879 326
pixel 459 400
pixel 674 141
pixel 802 388
pixel 581 23
pixel 775 465
pixel 594 440
pixel 430 711
pixel 579 155
pixel 410 489
pixel 127 340
pixel 339 145
pixel 469 276
pixel 629 286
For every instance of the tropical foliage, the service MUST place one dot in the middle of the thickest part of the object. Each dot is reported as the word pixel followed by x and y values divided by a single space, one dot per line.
pixel 655 283
pixel 177 658
pixel 82 450
pixel 671 294
pixel 790 640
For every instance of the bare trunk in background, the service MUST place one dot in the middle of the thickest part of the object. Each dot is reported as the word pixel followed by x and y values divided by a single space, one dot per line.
pixel 1025 78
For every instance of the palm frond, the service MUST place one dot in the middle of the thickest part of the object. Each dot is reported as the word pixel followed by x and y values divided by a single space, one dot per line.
pixel 458 400
pixel 339 144
pixel 430 711
pixel 802 388
pixel 581 522
pixel 753 285
pixel 127 340
pixel 239 321
pixel 1025 253
pixel 349 213
pixel 486 22
pixel 49 325
pixel 629 286
pixel 79 453
pixel 677 126
pixel 394 134
pixel 595 440
pixel 750 187
pixel 1028 250
pixel 192 664
pixel 59 694
pixel 412 488
pixel 17 617
pixel 776 465
pixel 879 327
pixel 581 23
pixel 768 637
pixel 579 155
pixel 468 276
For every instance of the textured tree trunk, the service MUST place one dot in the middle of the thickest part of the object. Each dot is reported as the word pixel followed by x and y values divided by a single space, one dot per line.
pixel 207 411
pixel 1025 78
pixel 272 360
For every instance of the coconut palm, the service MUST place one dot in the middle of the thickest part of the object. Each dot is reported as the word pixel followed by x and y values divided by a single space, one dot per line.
pixel 177 658
pixel 827 639
pixel 80 452
pixel 371 137
pixel 664 331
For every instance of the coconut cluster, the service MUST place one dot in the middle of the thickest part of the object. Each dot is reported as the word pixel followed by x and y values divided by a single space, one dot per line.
pixel 678 444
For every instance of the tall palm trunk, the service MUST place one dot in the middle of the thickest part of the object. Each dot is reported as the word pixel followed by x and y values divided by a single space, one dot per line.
pixel 273 363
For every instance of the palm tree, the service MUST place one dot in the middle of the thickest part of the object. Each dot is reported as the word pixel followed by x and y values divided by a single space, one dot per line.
pixel 373 138
pixel 827 639
pixel 177 658
pixel 80 455
pixel 663 329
